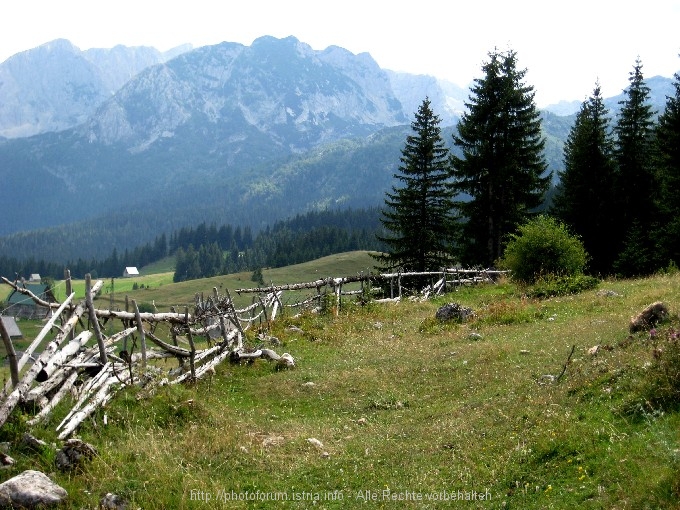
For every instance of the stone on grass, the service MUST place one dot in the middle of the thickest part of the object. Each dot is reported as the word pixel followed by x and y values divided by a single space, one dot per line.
pixel 31 489
pixel 113 502
pixel 73 454
pixel 649 317
pixel 315 442
pixel 607 293
pixel 6 461
pixel 286 361
pixel 454 312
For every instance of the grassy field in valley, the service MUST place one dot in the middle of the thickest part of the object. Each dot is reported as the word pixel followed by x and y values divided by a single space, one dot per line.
pixel 409 412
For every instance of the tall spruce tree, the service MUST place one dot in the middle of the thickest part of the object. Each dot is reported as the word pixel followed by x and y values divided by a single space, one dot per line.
pixel 418 214
pixel 584 198
pixel 502 167
pixel 668 150
pixel 637 182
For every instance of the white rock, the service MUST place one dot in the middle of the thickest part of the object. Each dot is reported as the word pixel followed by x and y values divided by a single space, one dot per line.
pixel 31 489
pixel 315 442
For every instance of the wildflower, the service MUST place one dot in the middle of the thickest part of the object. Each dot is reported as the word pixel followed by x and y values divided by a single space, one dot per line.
pixel 652 333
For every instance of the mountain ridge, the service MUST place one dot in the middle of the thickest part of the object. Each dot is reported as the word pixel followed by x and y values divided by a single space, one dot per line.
pixel 225 133
pixel 57 86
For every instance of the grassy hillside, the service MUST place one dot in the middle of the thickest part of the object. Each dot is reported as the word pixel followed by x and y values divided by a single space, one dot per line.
pixel 407 407
pixel 157 287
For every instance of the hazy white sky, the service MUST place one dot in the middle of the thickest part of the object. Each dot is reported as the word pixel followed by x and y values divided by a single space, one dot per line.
pixel 565 49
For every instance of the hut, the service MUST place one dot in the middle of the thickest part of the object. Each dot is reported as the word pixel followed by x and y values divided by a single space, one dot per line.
pixel 23 306
pixel 130 272
pixel 11 327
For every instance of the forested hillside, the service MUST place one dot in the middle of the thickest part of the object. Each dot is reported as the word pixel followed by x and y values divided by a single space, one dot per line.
pixel 209 250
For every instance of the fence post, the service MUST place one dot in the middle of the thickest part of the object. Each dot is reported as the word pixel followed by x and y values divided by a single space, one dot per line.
pixel 142 335
pixel 11 354
pixel 69 290
pixel 338 297
pixel 103 358
pixel 190 337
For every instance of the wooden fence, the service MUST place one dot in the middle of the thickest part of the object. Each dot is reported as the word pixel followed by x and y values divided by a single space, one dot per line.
pixel 440 283
pixel 198 341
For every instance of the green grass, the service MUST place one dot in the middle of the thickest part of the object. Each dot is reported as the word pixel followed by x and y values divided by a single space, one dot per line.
pixel 158 287
pixel 405 404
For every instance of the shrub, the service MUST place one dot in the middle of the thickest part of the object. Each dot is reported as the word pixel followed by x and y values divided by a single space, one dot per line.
pixel 146 308
pixel 258 277
pixel 543 246
pixel 551 285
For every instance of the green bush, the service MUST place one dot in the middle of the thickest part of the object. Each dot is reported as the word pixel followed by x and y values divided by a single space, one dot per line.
pixel 551 285
pixel 146 308
pixel 542 247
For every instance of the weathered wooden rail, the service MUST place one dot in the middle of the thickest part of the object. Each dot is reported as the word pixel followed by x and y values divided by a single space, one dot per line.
pixel 441 281
pixel 213 332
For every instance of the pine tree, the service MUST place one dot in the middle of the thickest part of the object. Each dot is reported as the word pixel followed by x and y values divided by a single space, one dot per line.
pixel 637 182
pixel 584 198
pixel 502 165
pixel 668 150
pixel 418 215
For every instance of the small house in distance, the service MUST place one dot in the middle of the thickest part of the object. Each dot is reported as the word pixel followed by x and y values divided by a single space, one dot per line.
pixel 23 306
pixel 11 327
pixel 35 278
pixel 130 272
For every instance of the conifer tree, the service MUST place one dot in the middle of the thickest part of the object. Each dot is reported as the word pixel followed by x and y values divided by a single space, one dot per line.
pixel 418 213
pixel 584 197
pixel 502 167
pixel 637 182
pixel 668 147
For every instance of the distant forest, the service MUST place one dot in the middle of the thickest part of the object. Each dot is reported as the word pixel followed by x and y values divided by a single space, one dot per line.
pixel 210 250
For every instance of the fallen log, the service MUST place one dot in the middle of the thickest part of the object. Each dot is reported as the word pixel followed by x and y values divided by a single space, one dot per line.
pixel 103 396
pixel 175 350
pixel 62 356
pixel 92 385
pixel 41 336
pixel 47 409
pixel 13 399
pixel 208 367
pixel 86 357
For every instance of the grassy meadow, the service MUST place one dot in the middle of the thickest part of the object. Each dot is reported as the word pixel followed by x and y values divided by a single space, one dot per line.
pixel 407 412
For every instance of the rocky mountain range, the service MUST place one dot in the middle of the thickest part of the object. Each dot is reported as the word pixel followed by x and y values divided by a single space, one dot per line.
pixel 56 86
pixel 131 141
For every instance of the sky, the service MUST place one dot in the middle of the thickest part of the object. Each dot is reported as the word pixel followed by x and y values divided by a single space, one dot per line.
pixel 565 50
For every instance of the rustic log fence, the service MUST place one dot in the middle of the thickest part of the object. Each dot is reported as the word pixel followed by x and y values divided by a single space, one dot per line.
pixel 198 341
pixel 441 282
